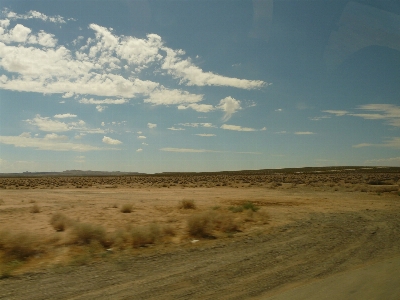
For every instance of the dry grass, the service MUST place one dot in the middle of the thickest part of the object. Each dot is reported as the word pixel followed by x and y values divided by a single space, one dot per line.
pixel 187 204
pixel 144 235
pixel 126 208
pixel 84 233
pixel 60 222
pixel 205 223
pixel 19 246
pixel 35 209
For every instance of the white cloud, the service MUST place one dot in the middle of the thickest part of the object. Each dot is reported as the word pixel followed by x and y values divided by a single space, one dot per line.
pixel 151 125
pixel 165 96
pixel 206 125
pixel 45 144
pixel 205 134
pixel 100 108
pixel 190 74
pixel 304 132
pixel 237 128
pixel 139 150
pixel 46 124
pixel 139 132
pixel 229 105
pixel 173 128
pixel 55 136
pixel 186 150
pixel 68 95
pixel 110 141
pixel 63 116
pixel 103 124
pixel 393 142
pixel 79 159
pixel 32 14
pixel 338 113
pixel 386 161
pixel 388 112
pixel 198 107
pixel 105 101
pixel 145 144
pixel 141 137
pixel 279 109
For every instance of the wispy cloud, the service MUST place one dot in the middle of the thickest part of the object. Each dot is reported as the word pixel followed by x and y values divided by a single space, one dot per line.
pixel 175 129
pixel 104 101
pixel 304 132
pixel 388 112
pixel 46 143
pixel 151 125
pixel 205 134
pixel 63 116
pixel 393 142
pixel 237 128
pixel 386 161
pixel 32 14
pixel 187 150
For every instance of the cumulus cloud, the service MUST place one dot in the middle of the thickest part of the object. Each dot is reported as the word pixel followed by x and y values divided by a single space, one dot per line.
pixel 100 108
pixel 151 125
pixel 141 137
pixel 51 144
pixel 229 105
pixel 107 65
pixel 110 141
pixel 55 136
pixel 237 128
pixel 63 116
pixel 165 96
pixel 139 150
pixel 47 124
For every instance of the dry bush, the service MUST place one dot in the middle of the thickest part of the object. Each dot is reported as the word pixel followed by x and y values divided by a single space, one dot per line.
pixel 19 246
pixel 84 233
pixel 126 208
pixel 145 235
pixel 35 209
pixel 60 222
pixel 168 230
pixel 205 223
pixel 187 204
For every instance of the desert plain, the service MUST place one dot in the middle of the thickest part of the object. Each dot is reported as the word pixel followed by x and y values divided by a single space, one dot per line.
pixel 234 235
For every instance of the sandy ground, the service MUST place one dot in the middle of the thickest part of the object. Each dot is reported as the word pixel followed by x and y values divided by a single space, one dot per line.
pixel 299 237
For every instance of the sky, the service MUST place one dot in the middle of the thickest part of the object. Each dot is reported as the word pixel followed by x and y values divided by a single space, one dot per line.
pixel 169 86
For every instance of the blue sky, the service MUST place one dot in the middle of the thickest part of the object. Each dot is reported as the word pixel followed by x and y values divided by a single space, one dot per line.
pixel 158 86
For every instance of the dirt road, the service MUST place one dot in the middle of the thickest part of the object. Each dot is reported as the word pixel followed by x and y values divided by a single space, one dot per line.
pixel 260 265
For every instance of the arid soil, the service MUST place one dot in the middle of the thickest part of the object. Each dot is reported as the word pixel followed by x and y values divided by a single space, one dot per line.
pixel 303 228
